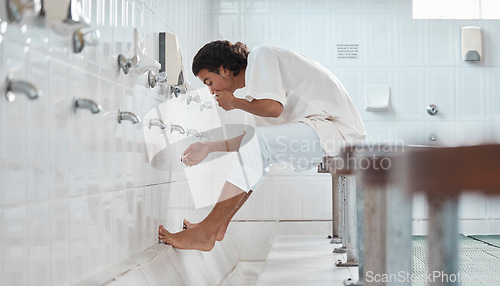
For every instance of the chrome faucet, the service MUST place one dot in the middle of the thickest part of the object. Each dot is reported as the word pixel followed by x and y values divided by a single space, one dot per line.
pixel 178 128
pixel 181 87
pixel 191 98
pixel 199 134
pixel 17 9
pixel 157 122
pixel 91 105
pixel 126 115
pixel 15 86
pixel 204 105
pixel 153 79
pixel 178 90
pixel 83 38
pixel 432 109
pixel 63 16
pixel 126 64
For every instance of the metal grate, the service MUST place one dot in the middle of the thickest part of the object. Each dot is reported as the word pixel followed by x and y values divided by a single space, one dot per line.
pixel 479 260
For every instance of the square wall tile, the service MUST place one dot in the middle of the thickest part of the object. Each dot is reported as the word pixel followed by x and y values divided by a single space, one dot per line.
pixel 492 209
pixel 379 38
pixel 492 98
pixel 440 89
pixel 472 132
pixel 410 133
pixel 409 94
pixel 15 223
pixel 317 197
pixel 259 204
pixel 348 30
pixel 472 206
pixel 471 94
pixel 409 37
pixel 311 32
pixel 287 197
pixel 440 43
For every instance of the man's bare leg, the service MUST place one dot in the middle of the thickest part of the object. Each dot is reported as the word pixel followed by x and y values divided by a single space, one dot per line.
pixel 222 230
pixel 203 235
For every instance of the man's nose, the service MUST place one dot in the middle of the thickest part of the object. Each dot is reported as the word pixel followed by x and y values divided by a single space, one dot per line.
pixel 211 90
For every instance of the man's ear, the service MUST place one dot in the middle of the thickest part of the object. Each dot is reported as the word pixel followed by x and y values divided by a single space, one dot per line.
pixel 226 72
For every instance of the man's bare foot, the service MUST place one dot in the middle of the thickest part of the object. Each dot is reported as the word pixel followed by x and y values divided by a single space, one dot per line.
pixel 220 234
pixel 188 225
pixel 194 238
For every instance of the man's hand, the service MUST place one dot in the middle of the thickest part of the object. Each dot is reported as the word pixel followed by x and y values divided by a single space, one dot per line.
pixel 225 99
pixel 195 153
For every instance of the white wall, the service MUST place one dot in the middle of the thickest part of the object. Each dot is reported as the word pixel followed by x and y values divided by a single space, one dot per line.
pixel 77 192
pixel 418 59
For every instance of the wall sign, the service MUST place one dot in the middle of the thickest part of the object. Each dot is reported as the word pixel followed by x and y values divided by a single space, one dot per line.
pixel 347 51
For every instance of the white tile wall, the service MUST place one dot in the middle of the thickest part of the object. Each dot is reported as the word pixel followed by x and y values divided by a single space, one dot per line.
pixel 81 184
pixel 418 59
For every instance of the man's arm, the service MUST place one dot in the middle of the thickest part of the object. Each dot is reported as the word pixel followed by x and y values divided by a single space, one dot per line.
pixel 228 145
pixel 259 107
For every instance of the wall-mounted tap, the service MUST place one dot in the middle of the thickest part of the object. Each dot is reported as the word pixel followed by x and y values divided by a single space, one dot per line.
pixel 178 90
pixel 126 64
pixel 432 109
pixel 141 61
pixel 194 132
pixel 126 115
pixel 83 38
pixel 17 9
pixel 19 86
pixel 157 122
pixel 177 128
pixel 205 135
pixel 198 134
pixel 64 16
pixel 180 87
pixel 153 79
pixel 190 98
pixel 91 105
pixel 432 137
pixel 204 105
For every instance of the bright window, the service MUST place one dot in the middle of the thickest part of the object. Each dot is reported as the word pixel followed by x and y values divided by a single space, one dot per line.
pixel 456 9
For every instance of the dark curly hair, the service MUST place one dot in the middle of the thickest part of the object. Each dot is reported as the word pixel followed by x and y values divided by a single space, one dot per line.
pixel 221 53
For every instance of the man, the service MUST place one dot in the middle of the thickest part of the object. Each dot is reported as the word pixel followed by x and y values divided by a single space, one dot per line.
pixel 301 113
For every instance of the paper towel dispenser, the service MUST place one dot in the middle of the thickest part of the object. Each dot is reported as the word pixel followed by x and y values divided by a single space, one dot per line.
pixel 165 46
pixel 472 49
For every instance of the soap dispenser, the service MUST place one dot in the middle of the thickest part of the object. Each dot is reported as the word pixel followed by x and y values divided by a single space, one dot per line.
pixel 472 49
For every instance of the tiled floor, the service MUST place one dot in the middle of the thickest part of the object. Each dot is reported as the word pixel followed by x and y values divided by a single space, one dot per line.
pixel 308 260
pixel 304 260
